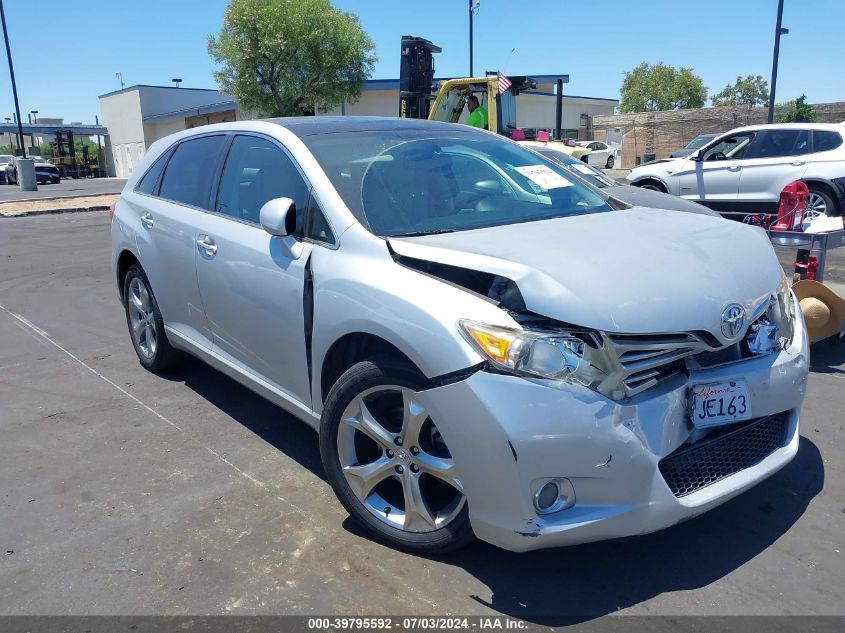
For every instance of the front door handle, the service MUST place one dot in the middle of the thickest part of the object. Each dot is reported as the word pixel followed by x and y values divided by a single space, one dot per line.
pixel 734 167
pixel 147 221
pixel 207 245
pixel 798 163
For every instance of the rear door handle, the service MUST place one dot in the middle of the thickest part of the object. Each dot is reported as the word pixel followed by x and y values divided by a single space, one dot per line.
pixel 207 245
pixel 734 167
pixel 798 163
pixel 147 221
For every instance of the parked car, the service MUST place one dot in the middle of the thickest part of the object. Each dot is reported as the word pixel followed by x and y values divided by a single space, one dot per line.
pixel 696 143
pixel 601 154
pixel 5 159
pixel 636 196
pixel 45 171
pixel 524 360
pixel 566 147
pixel 746 169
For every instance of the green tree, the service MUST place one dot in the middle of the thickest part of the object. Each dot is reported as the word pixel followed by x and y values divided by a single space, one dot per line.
pixel 291 57
pixel 799 112
pixel 750 91
pixel 661 87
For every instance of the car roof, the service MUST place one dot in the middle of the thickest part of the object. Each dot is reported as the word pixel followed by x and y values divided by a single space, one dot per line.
pixel 837 127
pixel 312 125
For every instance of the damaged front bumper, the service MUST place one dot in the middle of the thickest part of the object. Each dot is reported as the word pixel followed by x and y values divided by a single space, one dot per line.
pixel 508 434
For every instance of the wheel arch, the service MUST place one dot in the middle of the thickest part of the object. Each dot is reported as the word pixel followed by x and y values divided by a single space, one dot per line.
pixel 352 348
pixel 124 261
pixel 654 180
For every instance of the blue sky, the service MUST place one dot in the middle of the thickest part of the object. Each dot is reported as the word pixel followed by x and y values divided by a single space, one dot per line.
pixel 66 54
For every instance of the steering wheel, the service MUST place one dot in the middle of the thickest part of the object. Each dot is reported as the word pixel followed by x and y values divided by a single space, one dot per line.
pixel 717 156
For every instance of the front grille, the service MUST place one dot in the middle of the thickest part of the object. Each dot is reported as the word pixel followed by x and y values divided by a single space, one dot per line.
pixel 640 361
pixel 696 466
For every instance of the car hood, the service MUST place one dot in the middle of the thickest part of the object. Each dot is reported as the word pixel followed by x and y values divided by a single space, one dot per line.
pixel 632 271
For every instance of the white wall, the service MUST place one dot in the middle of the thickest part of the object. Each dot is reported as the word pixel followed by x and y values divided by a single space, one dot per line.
pixel 372 103
pixel 123 117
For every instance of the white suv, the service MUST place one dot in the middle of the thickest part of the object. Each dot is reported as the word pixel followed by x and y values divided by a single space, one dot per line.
pixel 746 169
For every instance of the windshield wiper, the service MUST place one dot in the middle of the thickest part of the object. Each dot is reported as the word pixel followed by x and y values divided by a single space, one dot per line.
pixel 428 232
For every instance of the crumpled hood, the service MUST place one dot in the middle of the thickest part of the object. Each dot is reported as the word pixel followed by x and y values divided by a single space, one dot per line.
pixel 633 271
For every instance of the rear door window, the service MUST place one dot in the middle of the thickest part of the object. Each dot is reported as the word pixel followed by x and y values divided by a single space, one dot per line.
pixel 256 171
pixel 826 140
pixel 190 174
pixel 779 143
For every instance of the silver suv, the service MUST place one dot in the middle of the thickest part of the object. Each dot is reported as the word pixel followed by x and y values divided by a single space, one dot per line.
pixel 488 346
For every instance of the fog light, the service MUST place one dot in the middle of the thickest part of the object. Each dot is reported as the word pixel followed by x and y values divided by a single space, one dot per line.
pixel 553 495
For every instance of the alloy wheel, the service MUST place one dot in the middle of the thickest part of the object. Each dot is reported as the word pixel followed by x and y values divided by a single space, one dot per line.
pixel 816 205
pixel 396 462
pixel 142 318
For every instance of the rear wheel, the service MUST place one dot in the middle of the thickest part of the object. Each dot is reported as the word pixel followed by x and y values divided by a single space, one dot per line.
pixel 610 161
pixel 821 202
pixel 387 461
pixel 146 326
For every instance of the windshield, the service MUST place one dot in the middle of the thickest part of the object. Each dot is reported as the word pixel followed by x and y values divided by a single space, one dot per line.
pixel 699 141
pixel 411 182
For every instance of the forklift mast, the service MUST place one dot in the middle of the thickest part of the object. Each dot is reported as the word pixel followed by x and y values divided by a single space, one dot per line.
pixel 416 76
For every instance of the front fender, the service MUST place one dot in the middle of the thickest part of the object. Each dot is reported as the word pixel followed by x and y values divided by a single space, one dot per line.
pixel 362 290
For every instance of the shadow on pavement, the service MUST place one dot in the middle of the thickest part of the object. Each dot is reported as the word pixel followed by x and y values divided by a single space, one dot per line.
pixel 828 357
pixel 566 585
pixel 276 427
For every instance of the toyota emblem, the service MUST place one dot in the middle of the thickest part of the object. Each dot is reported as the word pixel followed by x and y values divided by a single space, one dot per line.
pixel 733 320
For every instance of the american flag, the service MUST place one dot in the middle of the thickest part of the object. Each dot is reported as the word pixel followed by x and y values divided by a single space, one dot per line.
pixel 504 83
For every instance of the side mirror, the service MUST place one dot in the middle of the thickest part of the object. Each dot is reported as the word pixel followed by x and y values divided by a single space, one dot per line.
pixel 488 186
pixel 697 155
pixel 278 217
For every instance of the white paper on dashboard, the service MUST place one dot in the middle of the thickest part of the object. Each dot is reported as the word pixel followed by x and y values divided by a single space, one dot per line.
pixel 543 176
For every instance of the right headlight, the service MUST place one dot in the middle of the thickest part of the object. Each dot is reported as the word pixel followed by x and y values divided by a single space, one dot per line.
pixel 775 329
pixel 544 354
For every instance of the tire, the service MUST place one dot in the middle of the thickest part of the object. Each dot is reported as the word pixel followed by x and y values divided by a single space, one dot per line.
pixel 55 181
pixel 610 162
pixel 820 201
pixel 385 385
pixel 146 327
pixel 652 186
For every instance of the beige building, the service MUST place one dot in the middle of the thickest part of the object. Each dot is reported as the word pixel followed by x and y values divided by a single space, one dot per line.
pixel 140 115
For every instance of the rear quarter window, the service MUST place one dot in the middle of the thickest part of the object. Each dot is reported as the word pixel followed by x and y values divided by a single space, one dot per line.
pixel 149 181
pixel 826 140
pixel 191 171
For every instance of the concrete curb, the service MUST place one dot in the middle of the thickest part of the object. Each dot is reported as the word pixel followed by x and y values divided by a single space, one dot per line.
pixel 25 214
pixel 75 195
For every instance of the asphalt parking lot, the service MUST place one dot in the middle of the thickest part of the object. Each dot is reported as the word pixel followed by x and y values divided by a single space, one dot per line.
pixel 122 492
pixel 67 188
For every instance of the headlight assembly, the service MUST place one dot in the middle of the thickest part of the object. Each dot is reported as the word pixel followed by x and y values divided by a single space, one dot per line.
pixel 775 329
pixel 554 355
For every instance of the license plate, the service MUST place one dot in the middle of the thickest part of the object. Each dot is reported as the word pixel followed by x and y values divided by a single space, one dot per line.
pixel 720 403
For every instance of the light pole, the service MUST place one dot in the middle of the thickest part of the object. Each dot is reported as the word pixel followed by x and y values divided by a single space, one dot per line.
pixel 474 5
pixel 119 75
pixel 14 85
pixel 779 30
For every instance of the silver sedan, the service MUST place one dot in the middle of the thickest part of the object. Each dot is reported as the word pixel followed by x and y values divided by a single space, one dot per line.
pixel 488 345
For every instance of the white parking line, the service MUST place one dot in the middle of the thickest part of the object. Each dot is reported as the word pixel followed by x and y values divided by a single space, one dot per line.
pixel 47 337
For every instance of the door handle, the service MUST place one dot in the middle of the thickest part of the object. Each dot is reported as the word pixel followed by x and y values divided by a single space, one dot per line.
pixel 147 221
pixel 798 163
pixel 734 167
pixel 207 245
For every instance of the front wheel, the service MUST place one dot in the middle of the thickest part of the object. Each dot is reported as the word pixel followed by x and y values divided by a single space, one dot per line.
pixel 387 461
